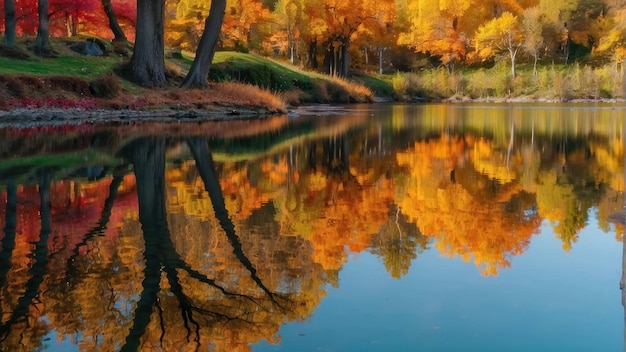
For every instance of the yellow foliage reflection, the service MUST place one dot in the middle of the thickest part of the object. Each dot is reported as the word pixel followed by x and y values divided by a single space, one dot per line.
pixel 468 213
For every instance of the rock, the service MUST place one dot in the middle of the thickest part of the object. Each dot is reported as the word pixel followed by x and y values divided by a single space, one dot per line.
pixel 87 48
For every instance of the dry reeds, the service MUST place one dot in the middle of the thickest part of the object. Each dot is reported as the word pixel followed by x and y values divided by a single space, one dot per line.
pixel 246 95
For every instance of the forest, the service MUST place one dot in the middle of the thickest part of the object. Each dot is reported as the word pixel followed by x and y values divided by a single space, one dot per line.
pixel 338 37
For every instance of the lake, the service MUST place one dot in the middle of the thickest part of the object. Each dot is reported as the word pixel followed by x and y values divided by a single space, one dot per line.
pixel 432 227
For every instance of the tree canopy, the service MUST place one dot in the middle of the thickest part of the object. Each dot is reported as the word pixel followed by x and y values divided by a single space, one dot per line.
pixel 341 35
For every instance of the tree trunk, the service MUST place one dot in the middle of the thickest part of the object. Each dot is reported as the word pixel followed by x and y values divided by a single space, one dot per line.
pixel 42 43
pixel 312 54
pixel 148 158
pixel 147 66
pixel 113 24
pixel 206 168
pixel 624 79
pixel 344 67
pixel 513 54
pixel 330 65
pixel 199 71
pixel 39 257
pixel 9 22
pixel 8 241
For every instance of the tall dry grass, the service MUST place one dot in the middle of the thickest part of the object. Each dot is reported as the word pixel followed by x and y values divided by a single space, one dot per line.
pixel 222 94
pixel 356 92
pixel 246 95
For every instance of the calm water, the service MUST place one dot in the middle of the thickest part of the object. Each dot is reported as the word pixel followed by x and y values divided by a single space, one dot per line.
pixel 360 228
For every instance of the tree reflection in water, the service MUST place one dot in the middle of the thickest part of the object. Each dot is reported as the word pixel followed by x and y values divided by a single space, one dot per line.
pixel 229 307
pixel 215 252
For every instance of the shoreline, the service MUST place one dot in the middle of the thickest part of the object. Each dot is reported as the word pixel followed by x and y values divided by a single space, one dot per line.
pixel 34 117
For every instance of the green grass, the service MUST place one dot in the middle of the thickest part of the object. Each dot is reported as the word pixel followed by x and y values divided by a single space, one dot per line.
pixel 381 85
pixel 296 85
pixel 81 66
pixel 257 70
pixel 308 86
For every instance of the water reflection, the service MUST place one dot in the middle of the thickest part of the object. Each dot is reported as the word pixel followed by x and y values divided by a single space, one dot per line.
pixel 214 235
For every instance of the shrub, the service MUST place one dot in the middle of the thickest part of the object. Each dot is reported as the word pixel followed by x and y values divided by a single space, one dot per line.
pixel 400 83
pixel 457 83
pixel 107 86
pixel 609 82
pixel 13 53
pixel 561 87
pixel 479 85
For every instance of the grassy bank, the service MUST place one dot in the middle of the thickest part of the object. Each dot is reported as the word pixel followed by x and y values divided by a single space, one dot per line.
pixel 73 80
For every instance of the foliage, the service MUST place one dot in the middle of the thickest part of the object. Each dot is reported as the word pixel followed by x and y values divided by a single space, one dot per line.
pixel 68 18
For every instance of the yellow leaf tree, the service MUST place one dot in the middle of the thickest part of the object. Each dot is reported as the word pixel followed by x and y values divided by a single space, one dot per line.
pixel 498 36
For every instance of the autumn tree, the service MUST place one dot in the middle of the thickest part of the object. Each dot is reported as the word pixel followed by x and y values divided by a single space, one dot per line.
pixel 437 28
pixel 343 20
pixel 42 42
pixel 614 42
pixel 290 17
pixel 498 36
pixel 198 73
pixel 118 33
pixel 570 23
pixel 147 65
pixel 9 22
pixel 312 29
pixel 532 29
pixel 242 23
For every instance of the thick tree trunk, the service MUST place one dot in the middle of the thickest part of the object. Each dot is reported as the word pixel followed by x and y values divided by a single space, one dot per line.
pixel 147 66
pixel 199 71
pixel 9 22
pixel 113 24
pixel 42 43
